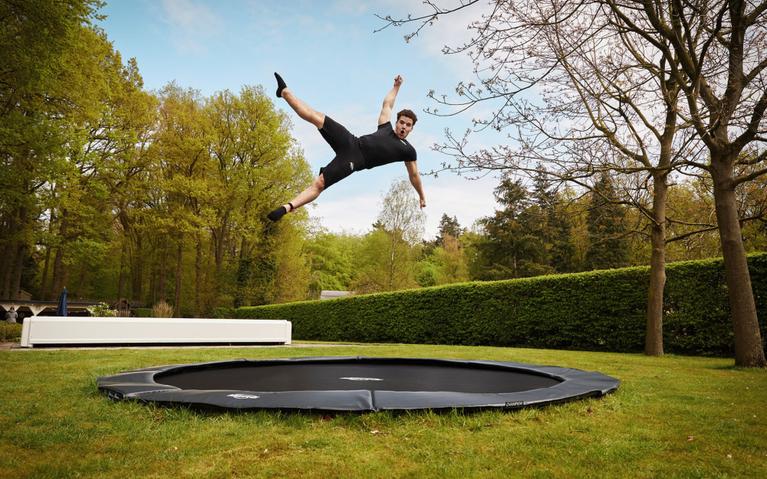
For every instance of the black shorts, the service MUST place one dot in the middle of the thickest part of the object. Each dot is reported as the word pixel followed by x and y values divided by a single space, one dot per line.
pixel 348 154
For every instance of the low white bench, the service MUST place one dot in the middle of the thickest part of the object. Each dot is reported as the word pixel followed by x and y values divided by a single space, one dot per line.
pixel 47 330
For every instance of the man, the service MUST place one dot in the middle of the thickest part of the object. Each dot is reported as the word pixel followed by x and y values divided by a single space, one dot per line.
pixel 11 316
pixel 387 145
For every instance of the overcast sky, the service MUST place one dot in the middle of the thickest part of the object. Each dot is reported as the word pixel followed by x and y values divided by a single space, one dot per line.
pixel 329 55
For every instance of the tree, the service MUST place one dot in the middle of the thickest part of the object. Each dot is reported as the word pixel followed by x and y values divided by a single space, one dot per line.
pixel 293 275
pixel 607 235
pixel 625 67
pixel 387 257
pixel 556 228
pixel 450 261
pixel 726 108
pixel 182 152
pixel 512 246
pixel 443 259
pixel 256 166
pixel 448 227
pixel 330 258
pixel 47 77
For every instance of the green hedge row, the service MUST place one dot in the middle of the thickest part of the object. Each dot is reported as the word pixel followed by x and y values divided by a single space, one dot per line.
pixel 10 332
pixel 598 310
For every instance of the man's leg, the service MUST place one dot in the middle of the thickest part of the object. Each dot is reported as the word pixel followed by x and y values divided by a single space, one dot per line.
pixel 307 196
pixel 310 194
pixel 299 106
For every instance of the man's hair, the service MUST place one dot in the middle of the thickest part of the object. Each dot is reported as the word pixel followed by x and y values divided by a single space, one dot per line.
pixel 409 114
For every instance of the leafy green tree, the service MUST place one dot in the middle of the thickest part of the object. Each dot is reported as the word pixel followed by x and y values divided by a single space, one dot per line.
pixel 257 167
pixel 77 189
pixel 443 259
pixel 387 259
pixel 293 274
pixel 331 262
pixel 181 144
pixel 48 85
pixel 450 261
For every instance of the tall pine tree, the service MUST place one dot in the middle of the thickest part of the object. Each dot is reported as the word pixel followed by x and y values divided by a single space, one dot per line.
pixel 608 247
pixel 556 227
pixel 512 246
pixel 448 227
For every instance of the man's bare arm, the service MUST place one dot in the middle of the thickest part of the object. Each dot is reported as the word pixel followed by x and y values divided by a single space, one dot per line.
pixel 388 103
pixel 415 180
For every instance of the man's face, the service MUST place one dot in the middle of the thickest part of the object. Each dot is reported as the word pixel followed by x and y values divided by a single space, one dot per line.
pixel 403 127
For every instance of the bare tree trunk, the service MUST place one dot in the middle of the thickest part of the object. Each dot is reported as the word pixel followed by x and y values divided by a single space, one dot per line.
pixel 749 351
pixel 45 285
pixel 218 237
pixel 177 291
pixel 44 278
pixel 161 277
pixel 5 253
pixel 17 269
pixel 59 273
pixel 654 329
pixel 21 249
pixel 121 274
pixel 9 256
pixel 153 286
pixel 137 270
pixel 10 260
pixel 198 278
pixel 219 240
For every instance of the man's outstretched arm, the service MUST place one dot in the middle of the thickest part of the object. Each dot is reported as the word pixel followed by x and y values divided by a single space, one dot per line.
pixel 415 180
pixel 388 103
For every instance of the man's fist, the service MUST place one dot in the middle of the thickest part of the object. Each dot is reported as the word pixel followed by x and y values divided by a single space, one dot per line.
pixel 423 202
pixel 398 80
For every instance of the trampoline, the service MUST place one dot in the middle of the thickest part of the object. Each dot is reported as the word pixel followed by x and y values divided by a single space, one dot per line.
pixel 356 384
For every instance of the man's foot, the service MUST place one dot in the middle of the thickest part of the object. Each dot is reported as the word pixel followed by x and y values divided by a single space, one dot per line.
pixel 280 212
pixel 280 84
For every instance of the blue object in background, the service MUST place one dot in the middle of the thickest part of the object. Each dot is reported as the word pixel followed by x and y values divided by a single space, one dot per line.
pixel 62 308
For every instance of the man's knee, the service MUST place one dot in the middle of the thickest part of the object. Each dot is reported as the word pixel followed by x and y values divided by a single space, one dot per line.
pixel 319 183
pixel 317 119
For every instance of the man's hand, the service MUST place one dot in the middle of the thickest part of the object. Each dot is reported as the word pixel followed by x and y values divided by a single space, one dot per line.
pixel 423 203
pixel 388 102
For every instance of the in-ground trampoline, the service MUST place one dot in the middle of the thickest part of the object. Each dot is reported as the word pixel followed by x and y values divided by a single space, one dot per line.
pixel 356 384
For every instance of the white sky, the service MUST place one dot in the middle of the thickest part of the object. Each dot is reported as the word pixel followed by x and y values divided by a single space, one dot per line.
pixel 328 54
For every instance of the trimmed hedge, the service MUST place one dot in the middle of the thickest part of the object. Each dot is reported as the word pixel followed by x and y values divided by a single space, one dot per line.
pixel 142 312
pixel 10 332
pixel 597 310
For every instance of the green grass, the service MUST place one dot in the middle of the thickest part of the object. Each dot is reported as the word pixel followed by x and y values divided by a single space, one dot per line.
pixel 672 417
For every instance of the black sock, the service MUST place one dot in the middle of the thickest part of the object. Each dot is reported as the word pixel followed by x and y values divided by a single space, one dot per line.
pixel 277 214
pixel 280 84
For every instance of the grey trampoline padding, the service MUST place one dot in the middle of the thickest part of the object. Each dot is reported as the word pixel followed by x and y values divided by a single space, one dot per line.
pixel 357 384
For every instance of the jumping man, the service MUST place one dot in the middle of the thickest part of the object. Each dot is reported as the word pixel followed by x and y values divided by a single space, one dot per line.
pixel 387 145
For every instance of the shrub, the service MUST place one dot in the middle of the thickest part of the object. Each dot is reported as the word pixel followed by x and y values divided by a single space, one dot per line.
pixel 10 332
pixel 598 310
pixel 102 310
pixel 142 312
pixel 162 310
pixel 223 313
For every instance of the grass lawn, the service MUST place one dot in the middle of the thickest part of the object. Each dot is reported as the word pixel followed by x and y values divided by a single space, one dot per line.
pixel 672 417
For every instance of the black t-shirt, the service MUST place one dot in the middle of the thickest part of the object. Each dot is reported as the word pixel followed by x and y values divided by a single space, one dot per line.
pixel 384 146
